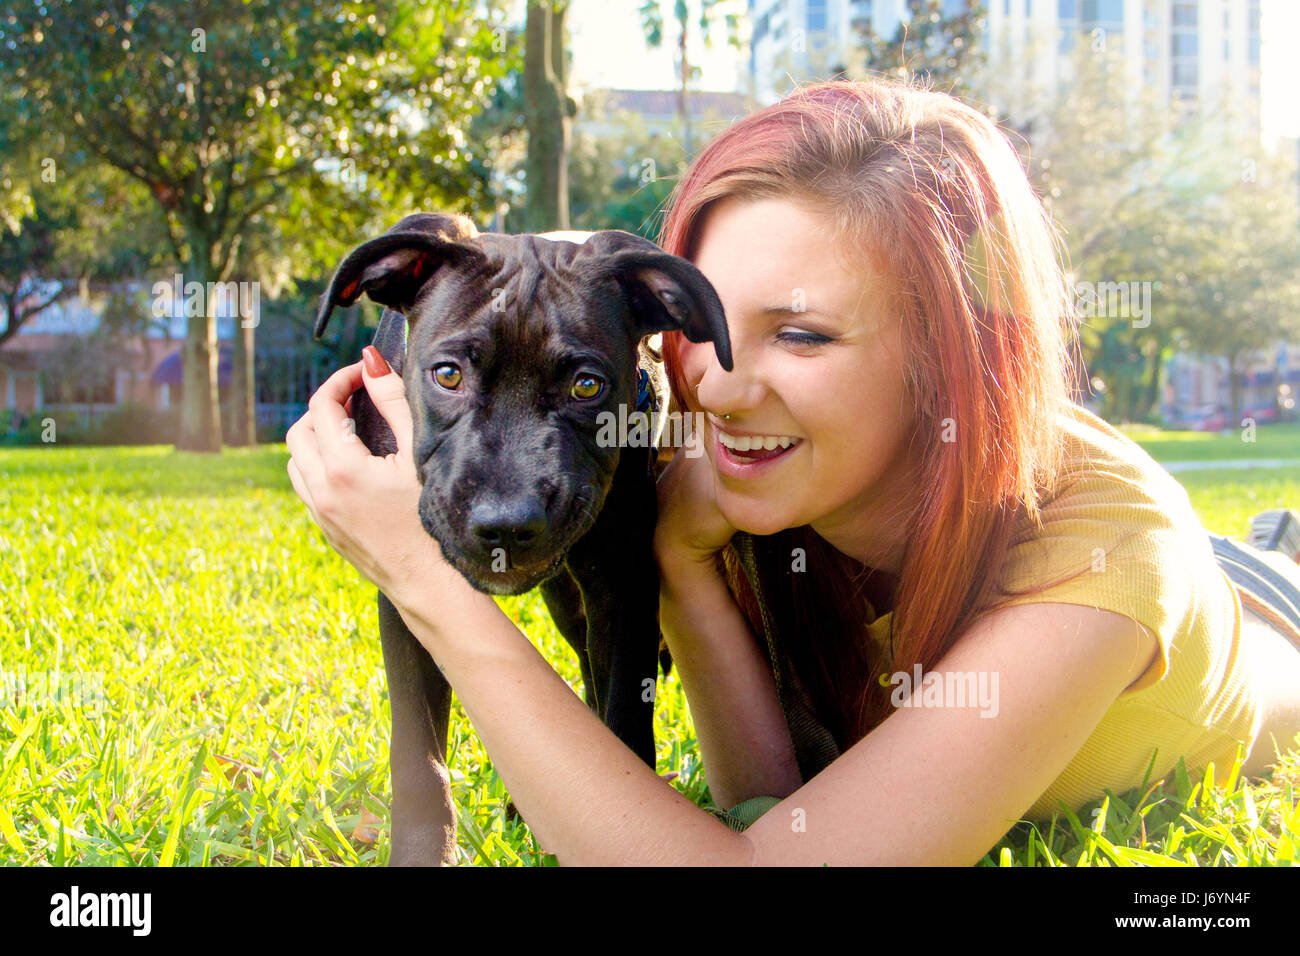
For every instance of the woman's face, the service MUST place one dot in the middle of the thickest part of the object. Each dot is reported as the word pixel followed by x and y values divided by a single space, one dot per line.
pixel 818 362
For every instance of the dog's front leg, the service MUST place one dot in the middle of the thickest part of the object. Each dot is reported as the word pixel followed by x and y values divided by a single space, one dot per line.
pixel 423 815
pixel 615 569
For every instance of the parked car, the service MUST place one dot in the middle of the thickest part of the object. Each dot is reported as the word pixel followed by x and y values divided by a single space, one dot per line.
pixel 1264 414
pixel 1207 418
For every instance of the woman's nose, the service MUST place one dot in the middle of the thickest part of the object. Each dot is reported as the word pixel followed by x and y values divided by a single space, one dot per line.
pixel 723 392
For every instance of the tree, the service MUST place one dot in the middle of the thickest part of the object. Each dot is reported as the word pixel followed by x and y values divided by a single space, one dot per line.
pixel 1106 166
pixel 1181 210
pixel 62 227
pixel 226 112
pixel 549 110
pixel 944 50
pixel 652 23
pixel 1245 290
pixel 623 181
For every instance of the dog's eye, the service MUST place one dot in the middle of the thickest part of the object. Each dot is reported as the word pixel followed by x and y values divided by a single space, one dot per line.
pixel 586 387
pixel 447 375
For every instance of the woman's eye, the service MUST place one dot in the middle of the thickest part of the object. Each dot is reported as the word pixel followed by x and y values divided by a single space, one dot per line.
pixel 803 338
pixel 586 387
pixel 447 375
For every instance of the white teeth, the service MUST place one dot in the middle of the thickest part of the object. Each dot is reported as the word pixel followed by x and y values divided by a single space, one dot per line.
pixel 755 442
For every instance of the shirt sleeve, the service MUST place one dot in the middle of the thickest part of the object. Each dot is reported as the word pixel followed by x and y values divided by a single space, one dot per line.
pixel 1119 537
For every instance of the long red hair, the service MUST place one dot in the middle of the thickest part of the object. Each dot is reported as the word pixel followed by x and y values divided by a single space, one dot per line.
pixel 930 189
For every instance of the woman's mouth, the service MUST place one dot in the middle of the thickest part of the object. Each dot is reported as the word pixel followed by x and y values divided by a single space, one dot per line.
pixel 741 455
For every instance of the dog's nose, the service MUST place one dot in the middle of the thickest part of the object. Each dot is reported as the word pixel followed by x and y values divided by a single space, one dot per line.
pixel 513 525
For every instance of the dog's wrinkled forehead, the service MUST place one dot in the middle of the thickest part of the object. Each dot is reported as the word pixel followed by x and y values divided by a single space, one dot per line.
pixel 525 310
pixel 543 283
pixel 438 271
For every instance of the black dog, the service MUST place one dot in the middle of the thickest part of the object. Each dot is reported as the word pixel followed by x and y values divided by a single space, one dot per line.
pixel 510 347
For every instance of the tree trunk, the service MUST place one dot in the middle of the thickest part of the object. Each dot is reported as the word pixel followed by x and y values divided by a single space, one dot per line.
pixel 1234 392
pixel 683 110
pixel 546 205
pixel 243 409
pixel 1151 394
pixel 200 408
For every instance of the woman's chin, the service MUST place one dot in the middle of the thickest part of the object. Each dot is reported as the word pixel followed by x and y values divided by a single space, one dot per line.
pixel 758 521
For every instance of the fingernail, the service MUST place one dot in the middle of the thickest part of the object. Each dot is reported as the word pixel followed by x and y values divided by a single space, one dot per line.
pixel 375 364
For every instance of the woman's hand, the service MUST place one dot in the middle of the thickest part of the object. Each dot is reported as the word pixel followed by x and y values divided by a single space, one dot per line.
pixel 691 528
pixel 367 507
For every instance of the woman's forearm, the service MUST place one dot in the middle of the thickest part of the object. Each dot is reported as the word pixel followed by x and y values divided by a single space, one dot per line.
pixel 733 701
pixel 587 797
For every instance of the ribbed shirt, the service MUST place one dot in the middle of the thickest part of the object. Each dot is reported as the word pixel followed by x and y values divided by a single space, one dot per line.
pixel 1129 525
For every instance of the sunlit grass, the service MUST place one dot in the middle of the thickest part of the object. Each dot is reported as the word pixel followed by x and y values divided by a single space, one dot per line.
pixel 243 718
pixel 1263 441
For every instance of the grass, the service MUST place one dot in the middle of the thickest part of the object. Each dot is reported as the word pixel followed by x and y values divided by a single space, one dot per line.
pixel 1265 441
pixel 222 699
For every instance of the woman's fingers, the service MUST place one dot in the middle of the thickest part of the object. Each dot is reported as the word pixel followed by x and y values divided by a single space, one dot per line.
pixel 304 451
pixel 335 431
pixel 300 485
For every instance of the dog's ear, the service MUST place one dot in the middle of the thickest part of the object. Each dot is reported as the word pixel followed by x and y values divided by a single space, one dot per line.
pixel 665 292
pixel 394 267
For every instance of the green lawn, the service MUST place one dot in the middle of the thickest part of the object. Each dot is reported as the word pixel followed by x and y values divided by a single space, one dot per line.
pixel 243 714
pixel 1266 441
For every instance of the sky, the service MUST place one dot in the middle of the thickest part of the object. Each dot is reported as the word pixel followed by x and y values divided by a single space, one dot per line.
pixel 1279 30
pixel 609 48
pixel 610 51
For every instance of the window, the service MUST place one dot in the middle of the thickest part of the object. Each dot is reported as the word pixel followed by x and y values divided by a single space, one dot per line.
pixel 817 15
pixel 1067 9
pixel 1183 44
pixel 1184 75
pixel 1111 11
pixel 1252 32
pixel 1184 15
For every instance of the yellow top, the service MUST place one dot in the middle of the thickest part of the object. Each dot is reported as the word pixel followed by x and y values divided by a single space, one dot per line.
pixel 1144 553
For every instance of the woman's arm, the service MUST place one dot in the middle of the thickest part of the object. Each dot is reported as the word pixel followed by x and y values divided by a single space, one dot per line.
pixel 588 798
pixel 732 696
pixel 929 786
pixel 941 785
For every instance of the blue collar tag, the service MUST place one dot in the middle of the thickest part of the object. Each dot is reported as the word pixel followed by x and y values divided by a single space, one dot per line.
pixel 643 393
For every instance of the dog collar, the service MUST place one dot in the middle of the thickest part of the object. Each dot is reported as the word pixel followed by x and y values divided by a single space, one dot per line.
pixel 644 395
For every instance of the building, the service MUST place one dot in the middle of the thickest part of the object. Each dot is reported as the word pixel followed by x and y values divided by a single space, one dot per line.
pixel 1197 52
pixel 1197 55
pixel 51 366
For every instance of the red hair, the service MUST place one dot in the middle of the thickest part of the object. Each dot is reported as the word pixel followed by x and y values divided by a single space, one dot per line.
pixel 930 191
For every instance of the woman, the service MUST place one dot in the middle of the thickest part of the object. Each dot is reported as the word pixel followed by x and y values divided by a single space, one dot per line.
pixel 973 601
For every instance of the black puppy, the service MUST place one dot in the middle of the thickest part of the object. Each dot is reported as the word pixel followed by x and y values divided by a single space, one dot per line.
pixel 510 348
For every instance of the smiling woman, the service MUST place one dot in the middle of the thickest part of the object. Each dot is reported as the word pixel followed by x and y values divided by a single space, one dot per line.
pixel 931 511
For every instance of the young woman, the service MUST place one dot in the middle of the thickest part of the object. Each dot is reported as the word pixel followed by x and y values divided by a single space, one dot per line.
pixel 913 592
